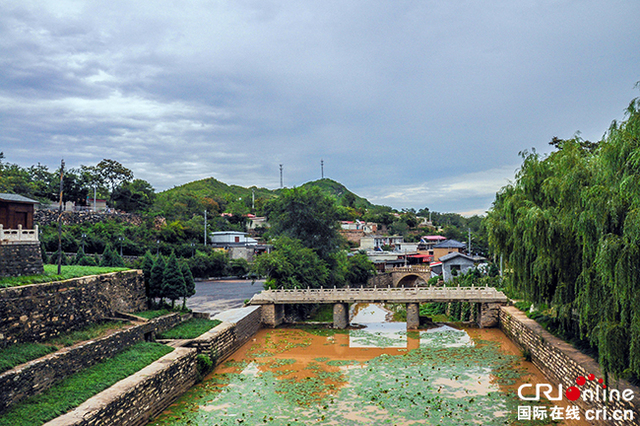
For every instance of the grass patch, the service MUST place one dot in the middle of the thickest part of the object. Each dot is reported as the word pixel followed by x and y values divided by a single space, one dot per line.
pixel 87 333
pixel 20 353
pixel 189 329
pixel 153 313
pixel 51 274
pixel 75 389
pixel 15 355
pixel 323 314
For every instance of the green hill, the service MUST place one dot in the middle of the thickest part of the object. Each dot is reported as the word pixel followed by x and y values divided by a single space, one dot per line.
pixel 217 197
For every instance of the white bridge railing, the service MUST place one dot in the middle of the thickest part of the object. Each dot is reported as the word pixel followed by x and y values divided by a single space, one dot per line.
pixel 18 235
pixel 391 295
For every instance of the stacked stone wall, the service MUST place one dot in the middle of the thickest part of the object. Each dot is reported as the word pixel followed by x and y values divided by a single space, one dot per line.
pixel 38 312
pixel 138 398
pixel 226 338
pixel 561 363
pixel 20 259
pixel 47 217
pixel 39 375
pixel 381 280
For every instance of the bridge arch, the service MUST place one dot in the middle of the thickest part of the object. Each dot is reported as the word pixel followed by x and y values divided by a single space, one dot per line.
pixel 410 280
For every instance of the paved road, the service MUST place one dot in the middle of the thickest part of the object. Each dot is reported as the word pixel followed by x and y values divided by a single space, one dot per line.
pixel 217 296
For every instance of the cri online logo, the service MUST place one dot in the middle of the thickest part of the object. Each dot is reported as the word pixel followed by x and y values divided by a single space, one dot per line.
pixel 573 393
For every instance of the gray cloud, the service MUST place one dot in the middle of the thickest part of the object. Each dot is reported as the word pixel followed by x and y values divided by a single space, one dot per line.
pixel 401 99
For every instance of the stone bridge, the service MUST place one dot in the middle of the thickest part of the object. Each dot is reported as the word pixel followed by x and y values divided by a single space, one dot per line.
pixel 408 276
pixel 487 298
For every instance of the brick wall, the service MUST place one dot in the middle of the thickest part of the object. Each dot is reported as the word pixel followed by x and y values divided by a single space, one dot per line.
pixel 18 259
pixel 38 312
pixel 39 375
pixel 561 363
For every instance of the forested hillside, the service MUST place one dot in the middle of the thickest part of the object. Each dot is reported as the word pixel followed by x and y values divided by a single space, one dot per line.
pixel 569 230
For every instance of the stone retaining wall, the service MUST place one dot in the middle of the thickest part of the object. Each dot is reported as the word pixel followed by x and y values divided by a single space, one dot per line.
pixel 38 312
pixel 136 399
pixel 226 338
pixel 139 398
pixel 39 375
pixel 561 363
pixel 19 259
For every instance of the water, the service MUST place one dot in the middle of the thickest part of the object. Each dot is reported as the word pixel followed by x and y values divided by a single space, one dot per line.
pixel 377 375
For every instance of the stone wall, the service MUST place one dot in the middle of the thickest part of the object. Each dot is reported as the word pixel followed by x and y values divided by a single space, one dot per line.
pixel 226 338
pixel 381 280
pixel 47 217
pixel 561 363
pixel 139 398
pixel 136 399
pixel 41 311
pixel 18 259
pixel 39 375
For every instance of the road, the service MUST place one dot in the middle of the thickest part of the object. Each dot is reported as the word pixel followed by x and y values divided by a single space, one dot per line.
pixel 217 296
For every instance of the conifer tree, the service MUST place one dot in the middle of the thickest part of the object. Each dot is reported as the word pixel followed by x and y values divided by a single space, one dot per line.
pixel 147 265
pixel 79 256
pixel 155 279
pixel 190 284
pixel 173 285
pixel 111 258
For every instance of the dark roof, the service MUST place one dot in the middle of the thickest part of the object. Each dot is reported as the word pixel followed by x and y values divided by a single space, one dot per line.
pixel 450 244
pixel 15 198
pixel 455 254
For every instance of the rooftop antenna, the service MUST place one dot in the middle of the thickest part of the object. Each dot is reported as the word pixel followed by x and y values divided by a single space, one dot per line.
pixel 322 168
pixel 281 184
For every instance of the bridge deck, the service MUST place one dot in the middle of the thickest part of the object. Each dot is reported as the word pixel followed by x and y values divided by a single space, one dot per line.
pixel 387 295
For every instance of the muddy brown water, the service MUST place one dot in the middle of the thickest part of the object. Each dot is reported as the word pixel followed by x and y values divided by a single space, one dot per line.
pixel 378 375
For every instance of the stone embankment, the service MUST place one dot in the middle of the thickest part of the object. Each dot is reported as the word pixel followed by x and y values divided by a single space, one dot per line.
pixel 34 313
pixel 39 375
pixel 137 399
pixel 562 364
pixel 47 217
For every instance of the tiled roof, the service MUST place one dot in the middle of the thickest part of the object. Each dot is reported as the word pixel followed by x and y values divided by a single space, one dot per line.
pixel 450 244
pixel 17 198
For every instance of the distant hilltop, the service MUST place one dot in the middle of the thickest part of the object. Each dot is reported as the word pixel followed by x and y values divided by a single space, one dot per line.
pixel 213 188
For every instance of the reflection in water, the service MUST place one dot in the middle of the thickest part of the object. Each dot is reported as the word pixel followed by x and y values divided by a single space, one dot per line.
pixel 378 375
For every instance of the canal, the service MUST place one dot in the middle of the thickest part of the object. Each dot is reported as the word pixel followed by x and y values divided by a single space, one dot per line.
pixel 375 374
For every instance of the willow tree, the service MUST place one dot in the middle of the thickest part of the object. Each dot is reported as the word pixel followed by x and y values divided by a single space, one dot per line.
pixel 569 228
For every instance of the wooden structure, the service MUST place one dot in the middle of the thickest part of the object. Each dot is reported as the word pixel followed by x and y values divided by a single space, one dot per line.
pixel 16 211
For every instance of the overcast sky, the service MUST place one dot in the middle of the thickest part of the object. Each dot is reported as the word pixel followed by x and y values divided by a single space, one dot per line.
pixel 409 103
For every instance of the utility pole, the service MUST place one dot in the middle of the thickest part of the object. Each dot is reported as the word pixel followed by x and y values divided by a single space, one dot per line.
pixel 253 200
pixel 322 168
pixel 205 228
pixel 281 184
pixel 469 241
pixel 60 219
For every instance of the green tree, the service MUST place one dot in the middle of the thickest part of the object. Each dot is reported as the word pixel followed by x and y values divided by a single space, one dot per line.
pixel 359 269
pixel 190 284
pixel 173 285
pixel 147 266
pixel 137 196
pixel 156 279
pixel 569 231
pixel 111 258
pixel 291 265
pixel 308 216
pixel 113 173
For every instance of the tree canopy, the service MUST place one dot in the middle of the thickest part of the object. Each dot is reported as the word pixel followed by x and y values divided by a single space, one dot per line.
pixel 569 228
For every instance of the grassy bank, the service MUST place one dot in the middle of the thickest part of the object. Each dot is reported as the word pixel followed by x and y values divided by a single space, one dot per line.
pixel 75 389
pixel 51 274
pixel 17 354
pixel 189 329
